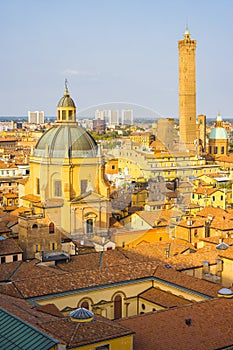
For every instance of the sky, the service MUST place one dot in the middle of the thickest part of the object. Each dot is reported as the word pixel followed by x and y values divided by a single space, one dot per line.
pixel 113 51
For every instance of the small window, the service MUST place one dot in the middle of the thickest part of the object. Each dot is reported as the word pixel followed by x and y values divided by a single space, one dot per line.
pixel 37 186
pixel 103 347
pixel 3 260
pixel 15 257
pixel 51 227
pixel 34 226
pixel 83 185
pixel 57 189
pixel 85 305
pixel 143 306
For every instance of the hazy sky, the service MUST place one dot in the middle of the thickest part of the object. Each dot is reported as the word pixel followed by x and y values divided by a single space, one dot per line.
pixel 113 50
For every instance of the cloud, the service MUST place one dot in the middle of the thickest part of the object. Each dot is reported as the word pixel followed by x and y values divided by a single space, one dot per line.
pixel 79 73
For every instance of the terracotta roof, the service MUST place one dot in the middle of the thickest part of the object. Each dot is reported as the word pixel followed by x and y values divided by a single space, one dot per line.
pixel 163 298
pixel 204 325
pixel 10 195
pixel 207 191
pixel 222 224
pixel 9 246
pixel 158 250
pixel 211 211
pixel 228 253
pixel 183 262
pixel 158 218
pixel 183 280
pixel 195 222
pixel 32 280
pixel 23 181
pixel 216 240
pixel 31 198
pixel 228 158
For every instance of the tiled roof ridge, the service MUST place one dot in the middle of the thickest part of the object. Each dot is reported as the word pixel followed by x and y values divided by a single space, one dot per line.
pixel 183 283
pixel 16 270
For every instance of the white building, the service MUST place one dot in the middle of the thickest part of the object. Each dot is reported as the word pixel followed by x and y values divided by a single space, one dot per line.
pixel 127 116
pixel 102 114
pixel 36 117
pixel 113 117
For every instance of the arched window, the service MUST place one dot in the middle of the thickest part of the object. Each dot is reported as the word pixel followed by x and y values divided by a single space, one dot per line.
pixel 85 305
pixel 117 307
pixel 34 226
pixel 51 227
pixel 89 226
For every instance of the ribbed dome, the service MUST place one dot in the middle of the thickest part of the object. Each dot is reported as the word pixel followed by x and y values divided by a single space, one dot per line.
pixel 81 315
pixel 225 293
pixel 66 100
pixel 66 140
pixel 218 133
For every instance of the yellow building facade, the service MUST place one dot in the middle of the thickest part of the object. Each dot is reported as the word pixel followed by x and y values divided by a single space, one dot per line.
pixel 67 183
pixel 168 165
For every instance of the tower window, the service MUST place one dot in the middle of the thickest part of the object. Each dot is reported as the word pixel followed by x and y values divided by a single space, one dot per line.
pixel 89 226
pixel 35 226
pixel 70 115
pixel 37 186
pixel 63 115
pixel 51 227
pixel 57 188
pixel 83 186
pixel 222 150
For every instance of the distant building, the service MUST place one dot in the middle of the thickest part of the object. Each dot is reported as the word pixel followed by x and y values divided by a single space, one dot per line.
pixel 143 138
pixel 113 117
pixel 127 116
pixel 99 126
pixel 36 117
pixel 165 130
pixel 102 114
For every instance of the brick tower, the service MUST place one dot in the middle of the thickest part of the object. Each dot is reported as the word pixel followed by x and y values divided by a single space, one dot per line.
pixel 187 90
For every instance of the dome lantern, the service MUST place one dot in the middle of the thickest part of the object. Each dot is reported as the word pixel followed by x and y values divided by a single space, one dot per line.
pixel 66 109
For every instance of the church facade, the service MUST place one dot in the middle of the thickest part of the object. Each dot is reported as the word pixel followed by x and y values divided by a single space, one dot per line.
pixel 67 189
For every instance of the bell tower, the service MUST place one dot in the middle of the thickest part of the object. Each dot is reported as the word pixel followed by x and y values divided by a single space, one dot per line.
pixel 187 91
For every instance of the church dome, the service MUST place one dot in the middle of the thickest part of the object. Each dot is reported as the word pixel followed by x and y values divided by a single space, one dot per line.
pixel 218 134
pixel 66 100
pixel 66 141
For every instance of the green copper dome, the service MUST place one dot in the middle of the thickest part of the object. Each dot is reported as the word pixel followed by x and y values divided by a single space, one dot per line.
pixel 218 133
pixel 66 141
